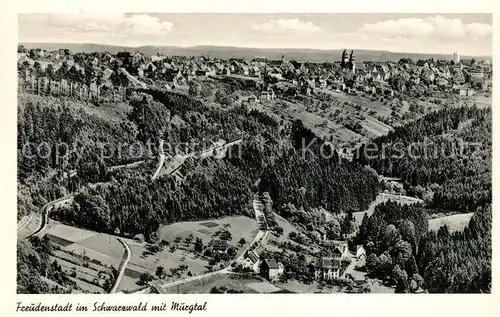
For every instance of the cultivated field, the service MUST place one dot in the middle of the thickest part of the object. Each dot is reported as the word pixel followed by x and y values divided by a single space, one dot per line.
pixel 85 256
pixel 99 246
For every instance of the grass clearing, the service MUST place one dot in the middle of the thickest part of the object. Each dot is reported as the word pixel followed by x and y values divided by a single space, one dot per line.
pixel 239 227
pixel 263 287
pixel 454 222
pixel 69 233
pixel 203 286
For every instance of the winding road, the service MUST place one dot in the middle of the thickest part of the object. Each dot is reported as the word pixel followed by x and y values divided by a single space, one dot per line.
pixel 178 160
pixel 123 265
pixel 44 215
pixel 45 219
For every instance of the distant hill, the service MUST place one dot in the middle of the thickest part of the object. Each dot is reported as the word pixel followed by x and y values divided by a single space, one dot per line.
pixel 226 52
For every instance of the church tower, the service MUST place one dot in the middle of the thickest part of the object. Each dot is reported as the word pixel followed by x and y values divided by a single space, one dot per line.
pixel 344 60
pixel 352 61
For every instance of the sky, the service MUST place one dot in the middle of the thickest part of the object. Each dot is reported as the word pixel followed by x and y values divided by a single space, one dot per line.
pixel 468 34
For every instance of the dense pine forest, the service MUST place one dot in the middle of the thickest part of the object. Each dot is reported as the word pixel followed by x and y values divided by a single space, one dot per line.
pixel 444 157
pixel 401 251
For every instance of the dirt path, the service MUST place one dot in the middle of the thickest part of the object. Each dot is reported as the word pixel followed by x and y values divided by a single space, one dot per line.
pixel 161 162
pixel 123 266
pixel 130 165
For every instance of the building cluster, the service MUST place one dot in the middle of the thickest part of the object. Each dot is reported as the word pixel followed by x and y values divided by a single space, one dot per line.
pixel 349 75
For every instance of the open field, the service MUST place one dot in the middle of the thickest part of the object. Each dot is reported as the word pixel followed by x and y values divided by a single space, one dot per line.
pixel 239 227
pixel 230 281
pixel 320 124
pixel 142 260
pixel 90 288
pixel 482 101
pixel 326 117
pixel 454 222
pixel 375 126
pixel 97 246
pixel 332 114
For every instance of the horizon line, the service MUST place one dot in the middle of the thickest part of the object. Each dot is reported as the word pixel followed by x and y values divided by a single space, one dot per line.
pixel 252 47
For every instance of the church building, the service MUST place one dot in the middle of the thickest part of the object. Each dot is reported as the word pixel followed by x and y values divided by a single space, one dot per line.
pixel 348 61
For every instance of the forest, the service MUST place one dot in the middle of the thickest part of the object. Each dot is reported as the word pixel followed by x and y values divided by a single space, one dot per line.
pixel 449 166
pixel 443 157
pixel 130 203
pixel 401 251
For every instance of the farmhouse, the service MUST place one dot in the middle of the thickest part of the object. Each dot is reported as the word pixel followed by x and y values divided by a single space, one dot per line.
pixel 267 95
pixel 321 82
pixel 464 91
pixel 360 252
pixel 255 71
pixel 220 246
pixel 338 248
pixel 271 270
pixel 327 269
pixel 477 72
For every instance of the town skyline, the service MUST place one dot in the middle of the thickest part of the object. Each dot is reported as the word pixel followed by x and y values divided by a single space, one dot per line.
pixel 468 34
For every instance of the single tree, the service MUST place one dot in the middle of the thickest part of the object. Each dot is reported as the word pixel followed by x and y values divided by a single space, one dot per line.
pixel 198 245
pixel 160 272
pixel 242 242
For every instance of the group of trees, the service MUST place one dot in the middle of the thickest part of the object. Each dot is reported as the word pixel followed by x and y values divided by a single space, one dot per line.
pixel 391 236
pixel 33 263
pixel 400 249
pixel 317 177
pixel 458 262
pixel 75 75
